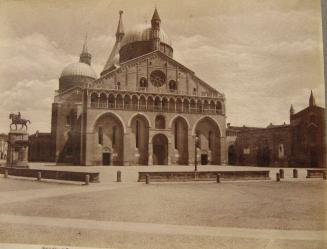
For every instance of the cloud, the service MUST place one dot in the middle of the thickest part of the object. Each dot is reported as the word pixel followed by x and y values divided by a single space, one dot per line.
pixel 31 57
pixel 264 55
pixel 260 82
pixel 30 68
pixel 33 99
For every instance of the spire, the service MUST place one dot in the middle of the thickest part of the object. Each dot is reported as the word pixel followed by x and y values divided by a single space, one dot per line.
pixel 312 101
pixel 291 110
pixel 155 27
pixel 84 50
pixel 120 29
pixel 85 56
pixel 155 16
pixel 113 60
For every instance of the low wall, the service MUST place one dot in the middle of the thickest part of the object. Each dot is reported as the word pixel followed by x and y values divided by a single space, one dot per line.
pixel 204 175
pixel 316 173
pixel 52 174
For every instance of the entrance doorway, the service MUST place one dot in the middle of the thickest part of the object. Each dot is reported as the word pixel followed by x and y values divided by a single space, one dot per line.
pixel 263 156
pixel 231 155
pixel 106 158
pixel 204 159
pixel 160 149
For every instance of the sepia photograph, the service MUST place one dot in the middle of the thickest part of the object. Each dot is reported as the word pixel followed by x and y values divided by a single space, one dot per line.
pixel 163 124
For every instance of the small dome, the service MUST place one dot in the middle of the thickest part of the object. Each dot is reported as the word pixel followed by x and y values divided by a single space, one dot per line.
pixel 143 33
pixel 78 69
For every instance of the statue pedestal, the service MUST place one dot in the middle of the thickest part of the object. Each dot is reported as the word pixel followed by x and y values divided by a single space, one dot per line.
pixel 17 155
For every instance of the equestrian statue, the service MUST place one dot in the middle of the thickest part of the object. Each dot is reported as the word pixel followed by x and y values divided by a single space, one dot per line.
pixel 16 119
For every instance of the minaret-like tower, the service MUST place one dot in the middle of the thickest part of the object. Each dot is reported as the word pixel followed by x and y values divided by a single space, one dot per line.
pixel 312 101
pixel 113 59
pixel 155 26
pixel 120 29
pixel 85 56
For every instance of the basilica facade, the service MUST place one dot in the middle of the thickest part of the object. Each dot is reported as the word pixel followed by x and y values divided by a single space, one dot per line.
pixel 145 108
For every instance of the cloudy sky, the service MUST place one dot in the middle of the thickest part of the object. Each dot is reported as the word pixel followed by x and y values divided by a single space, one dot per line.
pixel 263 54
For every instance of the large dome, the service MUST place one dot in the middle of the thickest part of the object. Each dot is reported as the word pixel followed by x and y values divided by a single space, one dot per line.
pixel 79 69
pixel 143 33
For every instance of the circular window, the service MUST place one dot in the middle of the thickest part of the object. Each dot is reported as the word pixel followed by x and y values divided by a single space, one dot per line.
pixel 158 78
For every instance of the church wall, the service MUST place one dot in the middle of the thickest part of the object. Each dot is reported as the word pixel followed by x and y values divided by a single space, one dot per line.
pixel 264 147
pixel 66 131
pixel 308 137
pixel 41 148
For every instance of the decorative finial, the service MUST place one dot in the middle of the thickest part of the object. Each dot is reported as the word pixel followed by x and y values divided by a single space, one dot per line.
pixel 312 101
pixel 291 110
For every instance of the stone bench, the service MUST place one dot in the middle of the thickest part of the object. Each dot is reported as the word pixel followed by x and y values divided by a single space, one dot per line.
pixel 52 174
pixel 180 176
pixel 316 173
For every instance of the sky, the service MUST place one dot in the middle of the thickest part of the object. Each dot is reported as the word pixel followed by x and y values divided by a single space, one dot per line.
pixel 263 55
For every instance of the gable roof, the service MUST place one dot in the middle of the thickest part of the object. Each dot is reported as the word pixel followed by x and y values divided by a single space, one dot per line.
pixel 161 54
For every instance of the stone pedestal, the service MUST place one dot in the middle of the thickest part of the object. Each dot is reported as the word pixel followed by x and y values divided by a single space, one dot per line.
pixel 17 155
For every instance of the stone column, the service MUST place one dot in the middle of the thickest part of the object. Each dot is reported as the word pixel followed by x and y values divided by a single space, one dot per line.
pixel 150 152
pixel 223 151
pixel 89 148
pixel 128 151
pixel 191 147
pixel 170 152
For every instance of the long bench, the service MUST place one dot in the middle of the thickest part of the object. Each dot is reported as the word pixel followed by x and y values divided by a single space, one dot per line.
pixel 316 173
pixel 180 176
pixel 52 174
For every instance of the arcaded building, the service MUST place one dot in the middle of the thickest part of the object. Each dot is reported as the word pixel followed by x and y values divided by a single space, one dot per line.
pixel 145 108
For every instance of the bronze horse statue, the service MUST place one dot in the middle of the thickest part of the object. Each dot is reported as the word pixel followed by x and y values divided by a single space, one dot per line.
pixel 16 119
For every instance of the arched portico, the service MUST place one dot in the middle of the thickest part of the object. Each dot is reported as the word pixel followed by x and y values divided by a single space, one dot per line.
pixel 108 137
pixel 139 139
pixel 209 148
pixel 179 127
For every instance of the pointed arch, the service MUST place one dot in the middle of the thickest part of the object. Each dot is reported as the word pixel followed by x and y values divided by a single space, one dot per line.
pixel 139 114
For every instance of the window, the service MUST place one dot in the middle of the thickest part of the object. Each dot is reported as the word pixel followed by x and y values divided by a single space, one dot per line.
pixel 137 133
pixel 281 151
pixel 143 82
pixel 160 122
pixel 172 85
pixel 100 135
pixel 194 91
pixel 118 85
pixel 246 151
pixel 114 135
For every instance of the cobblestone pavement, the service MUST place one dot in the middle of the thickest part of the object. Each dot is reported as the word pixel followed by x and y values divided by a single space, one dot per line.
pixel 34 212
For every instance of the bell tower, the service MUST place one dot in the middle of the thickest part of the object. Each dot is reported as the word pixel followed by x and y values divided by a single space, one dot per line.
pixel 155 26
